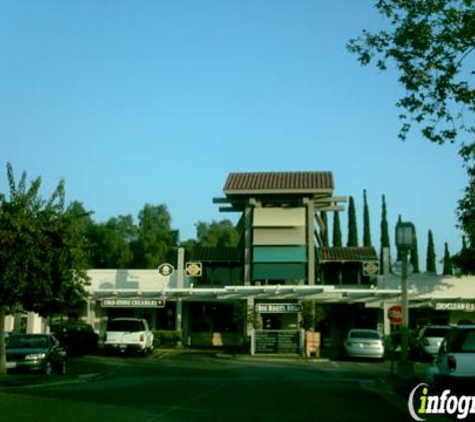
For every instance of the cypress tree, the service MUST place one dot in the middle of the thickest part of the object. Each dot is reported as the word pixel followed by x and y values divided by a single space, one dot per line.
pixel 448 268
pixel 336 230
pixel 430 261
pixel 414 258
pixel 352 226
pixel 324 234
pixel 398 256
pixel 384 231
pixel 366 222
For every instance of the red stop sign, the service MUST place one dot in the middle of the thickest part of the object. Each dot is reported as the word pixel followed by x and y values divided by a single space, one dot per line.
pixel 395 314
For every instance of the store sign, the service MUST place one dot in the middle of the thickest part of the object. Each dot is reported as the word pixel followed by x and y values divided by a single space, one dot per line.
pixel 166 269
pixel 278 308
pixel 459 305
pixel 133 303
pixel 370 268
pixel 193 269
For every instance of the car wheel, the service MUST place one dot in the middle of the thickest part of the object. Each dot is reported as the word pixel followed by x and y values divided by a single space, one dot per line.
pixel 48 369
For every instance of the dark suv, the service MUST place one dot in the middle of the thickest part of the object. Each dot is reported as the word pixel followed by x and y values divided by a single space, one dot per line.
pixel 79 337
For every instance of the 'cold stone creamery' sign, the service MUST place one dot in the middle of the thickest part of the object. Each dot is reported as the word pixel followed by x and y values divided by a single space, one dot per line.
pixel 133 303
pixel 278 308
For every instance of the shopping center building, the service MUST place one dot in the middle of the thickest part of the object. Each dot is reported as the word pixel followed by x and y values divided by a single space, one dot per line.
pixel 258 295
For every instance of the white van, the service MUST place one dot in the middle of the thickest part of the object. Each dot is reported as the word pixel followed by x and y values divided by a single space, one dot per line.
pixel 128 335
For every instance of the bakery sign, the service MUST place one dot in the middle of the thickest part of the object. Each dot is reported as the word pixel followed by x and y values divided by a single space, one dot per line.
pixel 454 305
pixel 133 303
pixel 278 308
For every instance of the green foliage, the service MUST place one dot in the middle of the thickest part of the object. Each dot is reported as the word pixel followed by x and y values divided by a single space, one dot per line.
pixel 366 222
pixel 464 260
pixel 166 337
pixel 352 225
pixel 414 256
pixel 325 230
pixel 385 243
pixel 336 238
pixel 156 241
pixel 448 267
pixel 431 43
pixel 312 314
pixel 110 243
pixel 42 259
pixel 430 260
pixel 217 234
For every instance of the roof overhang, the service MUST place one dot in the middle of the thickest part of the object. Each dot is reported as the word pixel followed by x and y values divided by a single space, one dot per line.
pixel 322 293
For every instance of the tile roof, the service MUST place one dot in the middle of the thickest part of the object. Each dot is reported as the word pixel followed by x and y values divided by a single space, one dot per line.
pixel 349 254
pixel 216 255
pixel 278 181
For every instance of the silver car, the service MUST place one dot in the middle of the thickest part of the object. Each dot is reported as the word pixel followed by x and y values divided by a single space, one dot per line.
pixel 364 343
pixel 430 340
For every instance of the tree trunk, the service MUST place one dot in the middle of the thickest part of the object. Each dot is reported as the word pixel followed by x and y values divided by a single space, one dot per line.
pixel 3 360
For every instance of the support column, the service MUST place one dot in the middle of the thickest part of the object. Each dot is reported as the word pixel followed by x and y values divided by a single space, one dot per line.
pixel 310 241
pixel 180 283
pixel 250 325
pixel 248 241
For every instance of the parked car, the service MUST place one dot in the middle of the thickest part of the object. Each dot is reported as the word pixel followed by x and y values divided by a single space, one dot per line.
pixel 430 339
pixel 364 343
pixel 79 337
pixel 454 365
pixel 35 352
pixel 125 335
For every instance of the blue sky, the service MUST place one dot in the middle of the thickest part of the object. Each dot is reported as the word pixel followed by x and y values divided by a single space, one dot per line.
pixel 134 102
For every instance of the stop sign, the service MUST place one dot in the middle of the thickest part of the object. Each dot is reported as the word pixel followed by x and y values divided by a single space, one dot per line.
pixel 395 314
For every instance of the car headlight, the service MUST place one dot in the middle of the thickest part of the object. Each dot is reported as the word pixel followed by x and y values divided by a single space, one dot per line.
pixel 36 356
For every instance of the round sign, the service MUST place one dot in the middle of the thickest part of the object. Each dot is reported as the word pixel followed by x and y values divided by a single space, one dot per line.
pixel 166 269
pixel 395 314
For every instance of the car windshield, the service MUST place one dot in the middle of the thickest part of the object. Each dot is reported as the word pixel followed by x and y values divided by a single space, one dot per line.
pixel 125 325
pixel 27 342
pixel 436 332
pixel 365 334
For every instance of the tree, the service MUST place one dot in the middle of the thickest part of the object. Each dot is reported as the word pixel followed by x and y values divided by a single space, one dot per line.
pixel 432 43
pixel 156 240
pixel 110 243
pixel 464 260
pixel 324 232
pixel 385 243
pixel 466 209
pixel 430 260
pixel 414 256
pixel 448 268
pixel 336 237
pixel 42 259
pixel 352 225
pixel 366 222
pixel 217 234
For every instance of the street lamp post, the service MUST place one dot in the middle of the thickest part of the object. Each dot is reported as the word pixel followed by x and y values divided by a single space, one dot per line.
pixel 405 234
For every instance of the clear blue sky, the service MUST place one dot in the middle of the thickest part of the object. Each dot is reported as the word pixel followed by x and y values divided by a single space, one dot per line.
pixel 136 101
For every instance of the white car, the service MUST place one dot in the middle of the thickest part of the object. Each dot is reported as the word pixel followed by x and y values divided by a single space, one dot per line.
pixel 454 365
pixel 364 343
pixel 126 335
